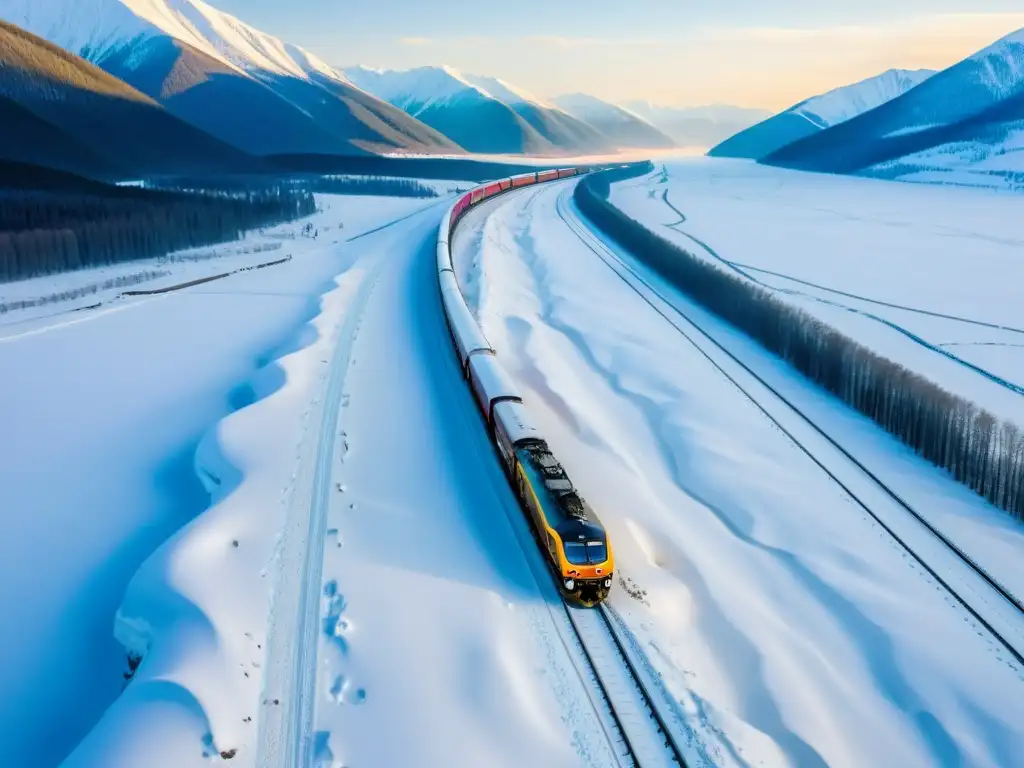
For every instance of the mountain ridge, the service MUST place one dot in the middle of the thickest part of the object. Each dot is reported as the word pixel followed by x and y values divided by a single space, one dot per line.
pixel 969 99
pixel 169 48
pixel 121 129
pixel 818 113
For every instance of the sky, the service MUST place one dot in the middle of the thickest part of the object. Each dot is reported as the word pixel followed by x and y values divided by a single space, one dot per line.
pixel 767 54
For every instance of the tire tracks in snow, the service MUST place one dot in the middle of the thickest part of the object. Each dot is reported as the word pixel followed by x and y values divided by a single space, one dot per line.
pixel 289 684
pixel 286 737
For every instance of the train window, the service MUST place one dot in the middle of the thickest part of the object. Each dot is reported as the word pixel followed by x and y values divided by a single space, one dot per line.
pixel 558 484
pixel 575 553
pixel 597 552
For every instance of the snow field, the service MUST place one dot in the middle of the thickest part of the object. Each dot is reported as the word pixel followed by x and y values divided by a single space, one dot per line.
pixel 784 621
pixel 985 533
pixel 950 252
pixel 57 295
pixel 103 414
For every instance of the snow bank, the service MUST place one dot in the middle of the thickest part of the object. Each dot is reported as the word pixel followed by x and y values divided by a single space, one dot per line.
pixel 103 412
pixel 197 610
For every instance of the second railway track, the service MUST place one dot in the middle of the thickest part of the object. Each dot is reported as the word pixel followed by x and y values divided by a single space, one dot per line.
pixel 1002 618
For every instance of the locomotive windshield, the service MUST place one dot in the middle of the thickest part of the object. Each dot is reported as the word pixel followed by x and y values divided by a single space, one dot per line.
pixel 590 553
pixel 576 552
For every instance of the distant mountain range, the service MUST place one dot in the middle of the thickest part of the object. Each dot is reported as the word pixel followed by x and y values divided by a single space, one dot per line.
pixel 232 81
pixel 697 126
pixel 974 110
pixel 817 114
pixel 118 88
pixel 619 126
pixel 482 114
pixel 963 125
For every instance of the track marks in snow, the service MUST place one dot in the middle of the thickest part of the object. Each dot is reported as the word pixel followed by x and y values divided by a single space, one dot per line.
pixel 286 736
pixel 800 296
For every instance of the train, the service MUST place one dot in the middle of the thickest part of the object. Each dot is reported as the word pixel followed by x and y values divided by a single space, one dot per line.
pixel 572 539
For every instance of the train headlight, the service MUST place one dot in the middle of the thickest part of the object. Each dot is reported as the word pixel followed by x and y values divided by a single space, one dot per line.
pixel 570 585
pixel 607 583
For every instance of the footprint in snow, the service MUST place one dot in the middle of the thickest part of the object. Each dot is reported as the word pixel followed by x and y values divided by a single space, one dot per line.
pixel 343 692
pixel 335 625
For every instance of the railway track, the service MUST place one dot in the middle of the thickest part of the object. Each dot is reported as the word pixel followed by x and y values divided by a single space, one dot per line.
pixel 630 713
pixel 992 604
pixel 626 700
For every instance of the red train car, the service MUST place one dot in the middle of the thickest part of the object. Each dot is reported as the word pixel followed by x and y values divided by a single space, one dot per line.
pixel 460 206
pixel 565 173
pixel 547 176
pixel 524 180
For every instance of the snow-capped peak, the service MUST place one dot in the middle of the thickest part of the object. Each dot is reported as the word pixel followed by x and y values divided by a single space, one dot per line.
pixel 585 106
pixel 506 92
pixel 842 104
pixel 94 28
pixel 415 90
pixel 1002 64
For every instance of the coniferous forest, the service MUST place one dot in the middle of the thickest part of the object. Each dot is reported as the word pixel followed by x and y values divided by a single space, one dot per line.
pixel 979 450
pixel 56 227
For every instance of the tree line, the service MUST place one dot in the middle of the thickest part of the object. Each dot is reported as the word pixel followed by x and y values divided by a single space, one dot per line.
pixel 381 186
pixel 48 231
pixel 979 450
pixel 371 185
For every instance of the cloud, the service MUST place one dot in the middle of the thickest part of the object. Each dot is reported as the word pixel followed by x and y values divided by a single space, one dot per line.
pixel 415 40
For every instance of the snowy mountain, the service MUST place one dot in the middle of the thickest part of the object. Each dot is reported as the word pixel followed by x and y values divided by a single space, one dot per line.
pixel 232 80
pixel 996 162
pixel 818 113
pixel 697 126
pixel 547 118
pixel 977 101
pixel 620 126
pixel 482 114
pixel 60 111
pixel 441 98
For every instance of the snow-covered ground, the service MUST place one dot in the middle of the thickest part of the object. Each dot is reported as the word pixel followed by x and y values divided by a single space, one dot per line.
pixel 102 414
pixel 436 643
pixel 784 620
pixel 928 276
pixel 993 164
pixel 36 303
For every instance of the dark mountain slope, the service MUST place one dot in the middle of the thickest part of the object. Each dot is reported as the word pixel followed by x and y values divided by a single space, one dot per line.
pixel 27 138
pixel 105 114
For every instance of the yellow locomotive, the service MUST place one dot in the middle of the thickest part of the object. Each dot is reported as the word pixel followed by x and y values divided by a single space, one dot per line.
pixel 568 532
pixel 567 528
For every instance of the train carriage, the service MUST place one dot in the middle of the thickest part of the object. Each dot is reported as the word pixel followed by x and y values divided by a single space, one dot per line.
pixel 571 537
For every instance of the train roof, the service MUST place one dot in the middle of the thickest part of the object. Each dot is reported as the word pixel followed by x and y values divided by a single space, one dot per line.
pixel 572 510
